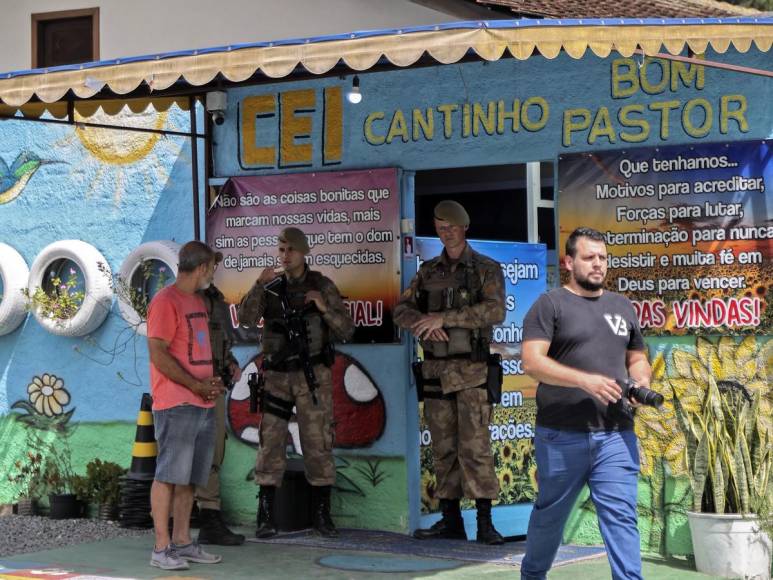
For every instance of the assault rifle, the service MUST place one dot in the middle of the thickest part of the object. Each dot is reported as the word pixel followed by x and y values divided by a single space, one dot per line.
pixel 297 333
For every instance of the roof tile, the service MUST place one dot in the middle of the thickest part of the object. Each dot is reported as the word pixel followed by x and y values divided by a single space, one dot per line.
pixel 623 8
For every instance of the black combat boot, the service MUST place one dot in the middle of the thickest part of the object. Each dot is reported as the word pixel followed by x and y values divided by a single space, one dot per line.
pixel 487 533
pixel 449 527
pixel 214 531
pixel 320 518
pixel 266 516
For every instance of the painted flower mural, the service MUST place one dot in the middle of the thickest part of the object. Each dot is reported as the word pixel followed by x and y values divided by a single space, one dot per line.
pixel 739 367
pixel 743 366
pixel 48 395
pixel 45 405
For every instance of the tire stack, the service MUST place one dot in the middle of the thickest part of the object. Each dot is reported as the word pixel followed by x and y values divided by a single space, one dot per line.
pixel 134 505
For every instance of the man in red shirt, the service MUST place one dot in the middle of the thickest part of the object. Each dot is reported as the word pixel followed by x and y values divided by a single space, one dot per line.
pixel 184 390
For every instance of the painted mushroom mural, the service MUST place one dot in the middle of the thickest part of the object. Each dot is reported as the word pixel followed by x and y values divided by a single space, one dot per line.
pixel 359 411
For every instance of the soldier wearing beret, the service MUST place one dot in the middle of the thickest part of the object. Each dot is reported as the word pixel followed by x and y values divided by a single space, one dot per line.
pixel 451 306
pixel 280 298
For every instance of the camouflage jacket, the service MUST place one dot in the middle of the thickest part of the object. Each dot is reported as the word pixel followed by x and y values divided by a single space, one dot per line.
pixel 337 318
pixel 220 328
pixel 457 374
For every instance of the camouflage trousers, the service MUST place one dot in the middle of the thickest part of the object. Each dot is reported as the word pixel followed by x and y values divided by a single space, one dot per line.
pixel 208 497
pixel 461 445
pixel 315 428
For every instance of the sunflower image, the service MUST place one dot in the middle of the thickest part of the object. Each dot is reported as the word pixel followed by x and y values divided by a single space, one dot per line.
pixel 428 488
pixel 506 479
pixel 743 368
pixel 533 476
pixel 740 368
pixel 657 429
pixel 506 453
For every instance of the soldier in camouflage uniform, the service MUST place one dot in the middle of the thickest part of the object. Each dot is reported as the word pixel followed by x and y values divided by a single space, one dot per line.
pixel 213 529
pixel 286 384
pixel 451 306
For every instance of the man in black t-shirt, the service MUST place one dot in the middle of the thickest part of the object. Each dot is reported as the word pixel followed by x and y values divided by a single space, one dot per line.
pixel 579 341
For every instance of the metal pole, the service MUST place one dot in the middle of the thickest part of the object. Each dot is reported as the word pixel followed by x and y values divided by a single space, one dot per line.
pixel 709 63
pixel 195 168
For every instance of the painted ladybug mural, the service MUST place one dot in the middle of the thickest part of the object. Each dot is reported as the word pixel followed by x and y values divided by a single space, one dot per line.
pixel 359 412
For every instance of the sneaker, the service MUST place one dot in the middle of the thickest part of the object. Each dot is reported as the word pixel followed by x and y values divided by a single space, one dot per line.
pixel 193 553
pixel 168 559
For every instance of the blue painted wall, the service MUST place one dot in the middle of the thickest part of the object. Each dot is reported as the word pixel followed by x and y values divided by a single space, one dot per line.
pixel 116 205
pixel 564 105
pixel 114 191
pixel 555 87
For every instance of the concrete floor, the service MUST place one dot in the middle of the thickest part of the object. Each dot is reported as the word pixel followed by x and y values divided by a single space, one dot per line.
pixel 128 558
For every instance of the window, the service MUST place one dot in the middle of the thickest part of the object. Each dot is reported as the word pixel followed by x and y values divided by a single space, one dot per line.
pixel 495 196
pixel 67 37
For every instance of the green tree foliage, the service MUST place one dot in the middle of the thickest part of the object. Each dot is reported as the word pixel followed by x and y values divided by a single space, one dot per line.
pixel 764 5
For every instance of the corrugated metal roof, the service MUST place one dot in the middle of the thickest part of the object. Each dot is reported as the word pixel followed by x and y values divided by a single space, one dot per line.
pixel 623 8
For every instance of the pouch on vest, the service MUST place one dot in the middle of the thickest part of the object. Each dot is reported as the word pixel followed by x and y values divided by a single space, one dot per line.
pixel 419 378
pixel 459 340
pixel 494 378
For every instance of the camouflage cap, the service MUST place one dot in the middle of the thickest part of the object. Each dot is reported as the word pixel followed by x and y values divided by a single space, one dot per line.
pixel 452 212
pixel 296 239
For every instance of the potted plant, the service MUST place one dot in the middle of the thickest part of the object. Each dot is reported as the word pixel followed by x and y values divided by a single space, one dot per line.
pixel 59 300
pixel 728 439
pixel 27 477
pixel 81 487
pixel 104 484
pixel 59 479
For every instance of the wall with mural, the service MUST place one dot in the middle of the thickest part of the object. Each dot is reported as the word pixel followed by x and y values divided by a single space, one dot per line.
pixel 77 397
pixel 510 112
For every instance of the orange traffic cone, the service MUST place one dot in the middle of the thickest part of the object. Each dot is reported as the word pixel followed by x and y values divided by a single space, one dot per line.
pixel 144 452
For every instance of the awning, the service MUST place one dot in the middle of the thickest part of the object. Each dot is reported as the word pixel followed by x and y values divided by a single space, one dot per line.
pixel 360 51
pixel 85 109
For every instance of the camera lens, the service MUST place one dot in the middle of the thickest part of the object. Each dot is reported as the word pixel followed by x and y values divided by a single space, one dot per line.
pixel 646 396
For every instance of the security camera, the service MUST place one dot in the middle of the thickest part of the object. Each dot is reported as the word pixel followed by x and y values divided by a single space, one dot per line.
pixel 216 104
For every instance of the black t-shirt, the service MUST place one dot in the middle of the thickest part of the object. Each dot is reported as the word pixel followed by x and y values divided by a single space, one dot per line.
pixel 589 334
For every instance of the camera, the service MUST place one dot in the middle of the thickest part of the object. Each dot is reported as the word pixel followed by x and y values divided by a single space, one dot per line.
pixel 216 104
pixel 639 394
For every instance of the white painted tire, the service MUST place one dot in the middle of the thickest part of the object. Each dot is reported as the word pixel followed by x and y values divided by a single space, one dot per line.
pixel 165 251
pixel 15 274
pixel 98 286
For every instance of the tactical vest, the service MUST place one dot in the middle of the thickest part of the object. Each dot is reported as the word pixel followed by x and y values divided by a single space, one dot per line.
pixel 445 290
pixel 219 322
pixel 275 332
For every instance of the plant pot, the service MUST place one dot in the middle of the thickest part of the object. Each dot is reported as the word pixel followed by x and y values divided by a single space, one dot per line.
pixel 27 507
pixel 64 506
pixel 108 512
pixel 730 546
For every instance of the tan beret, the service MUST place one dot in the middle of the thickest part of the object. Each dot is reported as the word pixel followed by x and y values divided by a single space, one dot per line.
pixel 296 239
pixel 452 212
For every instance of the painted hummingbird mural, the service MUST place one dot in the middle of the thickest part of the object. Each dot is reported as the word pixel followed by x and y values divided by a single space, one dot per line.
pixel 13 180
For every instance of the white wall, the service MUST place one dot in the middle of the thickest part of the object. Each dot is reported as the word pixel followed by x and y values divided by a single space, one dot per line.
pixel 135 27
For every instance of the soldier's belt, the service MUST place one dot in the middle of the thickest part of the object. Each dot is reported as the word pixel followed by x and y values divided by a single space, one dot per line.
pixel 461 356
pixel 433 394
pixel 276 406
pixel 295 364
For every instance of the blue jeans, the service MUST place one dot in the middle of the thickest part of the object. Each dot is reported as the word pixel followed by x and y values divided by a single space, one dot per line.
pixel 608 461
